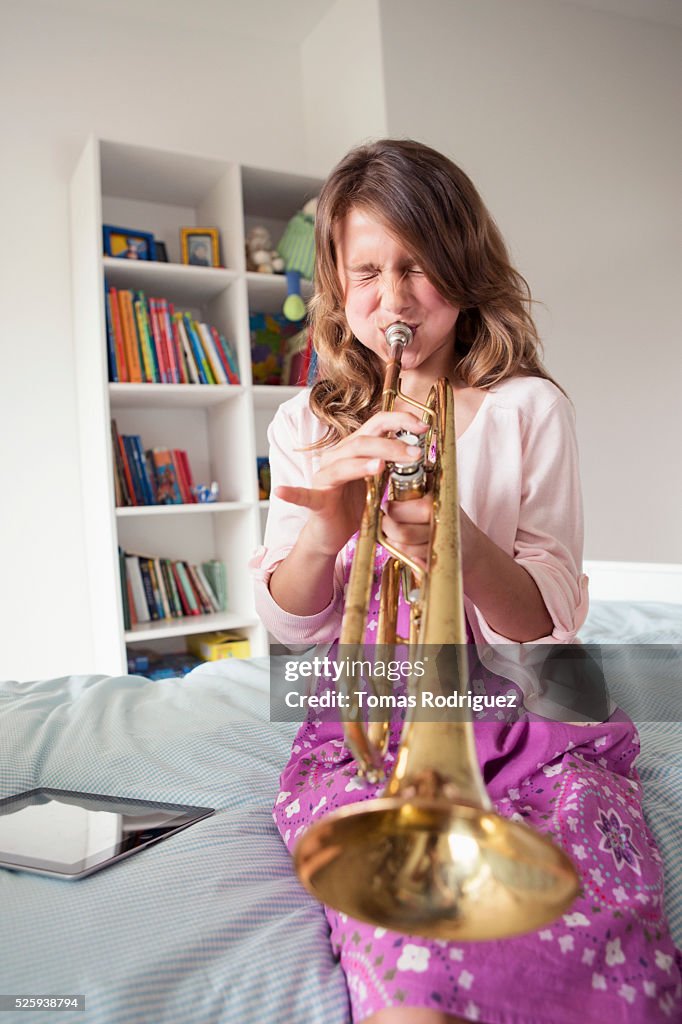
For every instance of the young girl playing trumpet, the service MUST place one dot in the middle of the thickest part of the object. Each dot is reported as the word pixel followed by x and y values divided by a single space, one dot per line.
pixel 403 236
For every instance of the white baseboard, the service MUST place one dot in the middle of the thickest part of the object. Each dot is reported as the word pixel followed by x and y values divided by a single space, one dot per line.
pixel 635 581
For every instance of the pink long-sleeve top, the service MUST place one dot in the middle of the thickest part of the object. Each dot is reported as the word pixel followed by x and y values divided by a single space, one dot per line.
pixel 518 481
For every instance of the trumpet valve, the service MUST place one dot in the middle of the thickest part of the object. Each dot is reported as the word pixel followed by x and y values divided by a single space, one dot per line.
pixel 408 478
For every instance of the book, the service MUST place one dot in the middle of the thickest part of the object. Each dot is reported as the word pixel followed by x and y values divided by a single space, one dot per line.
pixel 214 360
pixel 155 329
pixel 190 596
pixel 137 587
pixel 183 483
pixel 203 367
pixel 120 485
pixel 111 343
pixel 131 343
pixel 171 588
pixel 198 347
pixel 167 489
pixel 187 470
pixel 149 374
pixel 229 356
pixel 123 578
pixel 217 576
pixel 186 608
pixel 208 589
pixel 183 369
pixel 133 469
pixel 167 333
pixel 148 491
pixel 115 313
pixel 187 351
pixel 145 354
pixel 161 586
pixel 205 606
pixel 155 610
pixel 122 466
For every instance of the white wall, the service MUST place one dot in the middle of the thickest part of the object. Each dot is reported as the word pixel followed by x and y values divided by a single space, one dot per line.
pixel 67 73
pixel 567 119
pixel 343 82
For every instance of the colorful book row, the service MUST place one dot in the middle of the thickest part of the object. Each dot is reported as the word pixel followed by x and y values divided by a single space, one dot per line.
pixel 154 589
pixel 148 342
pixel 158 476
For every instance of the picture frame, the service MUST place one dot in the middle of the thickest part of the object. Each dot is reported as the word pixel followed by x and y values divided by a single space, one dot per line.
pixel 128 243
pixel 160 252
pixel 200 247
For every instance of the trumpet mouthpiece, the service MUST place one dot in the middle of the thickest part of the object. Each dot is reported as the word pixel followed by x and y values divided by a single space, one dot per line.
pixel 399 334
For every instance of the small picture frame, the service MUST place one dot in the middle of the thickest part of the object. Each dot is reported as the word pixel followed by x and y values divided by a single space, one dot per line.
pixel 200 247
pixel 128 243
pixel 160 252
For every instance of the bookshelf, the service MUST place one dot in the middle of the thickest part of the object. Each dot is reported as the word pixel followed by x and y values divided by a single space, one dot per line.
pixel 222 427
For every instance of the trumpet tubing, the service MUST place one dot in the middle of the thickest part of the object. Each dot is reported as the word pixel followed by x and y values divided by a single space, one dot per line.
pixel 429 856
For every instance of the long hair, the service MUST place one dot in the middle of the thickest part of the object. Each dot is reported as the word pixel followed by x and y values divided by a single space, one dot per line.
pixel 431 205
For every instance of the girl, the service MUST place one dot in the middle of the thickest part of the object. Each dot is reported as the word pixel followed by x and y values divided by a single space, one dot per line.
pixel 402 235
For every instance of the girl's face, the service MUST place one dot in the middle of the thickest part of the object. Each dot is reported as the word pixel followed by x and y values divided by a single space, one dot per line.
pixel 382 283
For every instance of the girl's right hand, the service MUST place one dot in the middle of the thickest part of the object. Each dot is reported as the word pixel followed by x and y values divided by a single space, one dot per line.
pixel 337 498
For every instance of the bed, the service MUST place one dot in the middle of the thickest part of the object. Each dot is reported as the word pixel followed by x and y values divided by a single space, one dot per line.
pixel 212 926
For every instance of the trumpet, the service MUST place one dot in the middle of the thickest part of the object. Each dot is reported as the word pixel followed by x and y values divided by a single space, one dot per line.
pixel 429 856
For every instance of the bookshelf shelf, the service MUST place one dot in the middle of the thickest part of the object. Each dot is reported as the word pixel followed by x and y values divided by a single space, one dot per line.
pixel 194 285
pixel 223 428
pixel 198 396
pixel 201 508
pixel 166 628
pixel 267 292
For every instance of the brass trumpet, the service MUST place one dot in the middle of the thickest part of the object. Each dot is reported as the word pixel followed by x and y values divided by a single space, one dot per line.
pixel 429 856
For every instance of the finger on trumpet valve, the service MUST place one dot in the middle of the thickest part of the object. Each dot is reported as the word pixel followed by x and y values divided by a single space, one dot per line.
pixel 408 478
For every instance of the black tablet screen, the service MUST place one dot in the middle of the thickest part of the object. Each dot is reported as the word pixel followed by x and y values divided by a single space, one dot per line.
pixel 70 835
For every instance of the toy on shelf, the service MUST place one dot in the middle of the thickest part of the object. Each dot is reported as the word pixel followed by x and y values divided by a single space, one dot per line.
pixel 218 645
pixel 271 336
pixel 206 495
pixel 261 256
pixel 263 466
pixel 297 248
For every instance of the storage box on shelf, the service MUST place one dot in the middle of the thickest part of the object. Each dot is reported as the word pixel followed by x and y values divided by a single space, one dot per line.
pixel 221 427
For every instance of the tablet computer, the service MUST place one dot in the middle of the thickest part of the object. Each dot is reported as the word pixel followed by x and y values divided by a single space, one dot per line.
pixel 70 835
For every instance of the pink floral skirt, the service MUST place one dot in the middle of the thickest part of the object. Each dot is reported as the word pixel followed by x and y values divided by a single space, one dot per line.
pixel 608 960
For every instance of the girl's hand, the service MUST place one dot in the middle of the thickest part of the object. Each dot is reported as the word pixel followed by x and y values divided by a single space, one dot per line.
pixel 337 498
pixel 407 524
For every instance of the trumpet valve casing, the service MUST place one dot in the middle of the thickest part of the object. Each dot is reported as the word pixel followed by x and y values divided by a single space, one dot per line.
pixel 409 478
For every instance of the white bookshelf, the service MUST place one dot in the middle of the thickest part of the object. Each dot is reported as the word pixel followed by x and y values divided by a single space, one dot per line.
pixel 222 428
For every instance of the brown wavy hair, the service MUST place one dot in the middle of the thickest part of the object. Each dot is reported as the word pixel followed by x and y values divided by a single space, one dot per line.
pixel 431 205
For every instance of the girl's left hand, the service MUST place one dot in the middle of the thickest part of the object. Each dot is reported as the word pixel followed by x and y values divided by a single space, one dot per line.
pixel 407 524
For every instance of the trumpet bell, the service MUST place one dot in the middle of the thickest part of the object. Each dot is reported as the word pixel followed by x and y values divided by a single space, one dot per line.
pixel 435 869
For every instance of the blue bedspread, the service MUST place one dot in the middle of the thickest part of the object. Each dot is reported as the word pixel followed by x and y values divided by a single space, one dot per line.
pixel 208 926
pixel 212 926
